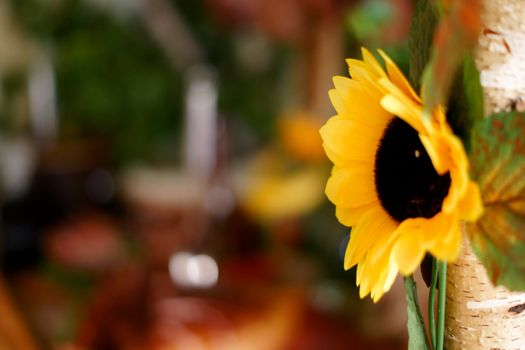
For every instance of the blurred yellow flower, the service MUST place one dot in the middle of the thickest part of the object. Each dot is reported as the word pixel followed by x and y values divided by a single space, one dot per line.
pixel 270 190
pixel 399 179
pixel 299 135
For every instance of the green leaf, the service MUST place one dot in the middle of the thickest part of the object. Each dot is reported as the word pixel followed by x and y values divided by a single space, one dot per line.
pixel 472 89
pixel 498 164
pixel 465 105
pixel 422 28
pixel 417 336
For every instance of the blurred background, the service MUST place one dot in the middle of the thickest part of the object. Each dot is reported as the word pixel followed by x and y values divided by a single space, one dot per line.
pixel 162 176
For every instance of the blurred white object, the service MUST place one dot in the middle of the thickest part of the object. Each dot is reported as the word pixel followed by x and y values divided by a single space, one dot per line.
pixel 162 188
pixel 201 123
pixel 42 99
pixel 194 271
pixel 17 163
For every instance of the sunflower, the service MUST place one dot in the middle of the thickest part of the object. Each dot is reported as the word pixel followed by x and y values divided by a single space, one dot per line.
pixel 400 179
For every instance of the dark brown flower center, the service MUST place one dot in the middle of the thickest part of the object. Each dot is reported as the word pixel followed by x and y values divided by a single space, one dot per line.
pixel 406 182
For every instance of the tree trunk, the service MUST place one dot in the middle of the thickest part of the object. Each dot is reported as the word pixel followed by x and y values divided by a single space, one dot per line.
pixel 479 315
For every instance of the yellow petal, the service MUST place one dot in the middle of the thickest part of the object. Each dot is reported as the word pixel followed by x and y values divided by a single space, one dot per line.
pixel 377 274
pixel 394 106
pixel 347 85
pixel 358 105
pixel 373 225
pixel 365 287
pixel 439 116
pixel 390 277
pixel 429 230
pixel 470 208
pixel 376 278
pixel 418 235
pixel 458 187
pixel 360 72
pixel 368 278
pixel 399 78
pixel 383 246
pixel 339 105
pixel 448 250
pixel 350 141
pixel 372 63
pixel 398 104
pixel 338 159
pixel 439 227
pixel 350 216
pixel 363 279
pixel 354 64
pixel 385 281
pixel 359 273
pixel 351 187
pixel 408 252
pixel 435 153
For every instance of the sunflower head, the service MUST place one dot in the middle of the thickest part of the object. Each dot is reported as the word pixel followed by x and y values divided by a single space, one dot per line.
pixel 400 179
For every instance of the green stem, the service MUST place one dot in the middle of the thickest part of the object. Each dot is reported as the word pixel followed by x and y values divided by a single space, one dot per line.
pixel 432 304
pixel 442 294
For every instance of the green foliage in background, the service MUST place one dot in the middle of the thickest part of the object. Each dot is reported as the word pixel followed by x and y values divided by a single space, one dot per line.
pixel 422 28
pixel 111 79
pixel 114 82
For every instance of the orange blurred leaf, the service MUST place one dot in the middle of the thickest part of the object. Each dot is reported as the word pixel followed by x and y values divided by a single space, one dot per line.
pixel 455 36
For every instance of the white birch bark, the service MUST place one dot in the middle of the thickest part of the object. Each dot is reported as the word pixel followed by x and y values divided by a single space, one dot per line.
pixel 479 315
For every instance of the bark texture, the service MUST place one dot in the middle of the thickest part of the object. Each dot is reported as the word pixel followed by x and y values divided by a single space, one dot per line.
pixel 479 315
